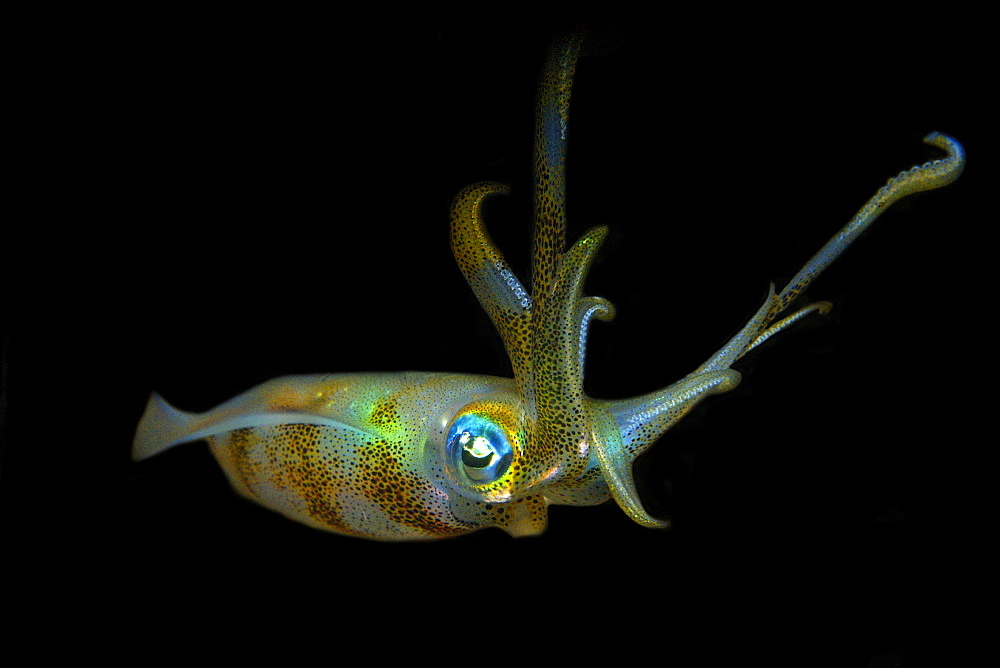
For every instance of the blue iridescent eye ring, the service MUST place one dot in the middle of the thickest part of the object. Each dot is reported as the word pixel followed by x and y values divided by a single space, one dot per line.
pixel 479 448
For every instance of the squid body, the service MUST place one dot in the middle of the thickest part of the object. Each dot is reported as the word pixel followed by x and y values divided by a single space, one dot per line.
pixel 416 456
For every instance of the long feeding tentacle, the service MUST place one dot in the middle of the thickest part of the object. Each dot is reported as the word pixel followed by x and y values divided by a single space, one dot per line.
pixel 643 420
pixel 929 176
pixel 560 313
pixel 552 116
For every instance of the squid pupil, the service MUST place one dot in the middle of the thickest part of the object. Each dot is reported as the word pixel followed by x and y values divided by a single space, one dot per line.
pixel 477 451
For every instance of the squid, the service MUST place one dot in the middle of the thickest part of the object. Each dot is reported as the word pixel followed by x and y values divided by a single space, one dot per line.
pixel 428 455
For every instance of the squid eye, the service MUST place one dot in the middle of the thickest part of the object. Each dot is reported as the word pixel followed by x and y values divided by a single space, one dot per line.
pixel 481 446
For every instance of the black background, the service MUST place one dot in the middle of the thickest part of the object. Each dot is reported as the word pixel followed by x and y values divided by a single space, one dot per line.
pixel 222 200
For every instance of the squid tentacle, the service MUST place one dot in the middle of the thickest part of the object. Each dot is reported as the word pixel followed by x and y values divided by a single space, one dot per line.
pixel 480 260
pixel 644 419
pixel 928 176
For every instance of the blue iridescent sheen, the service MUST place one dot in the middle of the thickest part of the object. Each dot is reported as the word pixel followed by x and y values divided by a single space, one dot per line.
pixel 479 448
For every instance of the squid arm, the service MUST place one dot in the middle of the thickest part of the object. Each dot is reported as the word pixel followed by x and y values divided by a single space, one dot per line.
pixel 546 338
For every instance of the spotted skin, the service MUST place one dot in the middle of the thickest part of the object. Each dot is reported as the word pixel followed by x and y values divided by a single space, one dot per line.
pixel 418 456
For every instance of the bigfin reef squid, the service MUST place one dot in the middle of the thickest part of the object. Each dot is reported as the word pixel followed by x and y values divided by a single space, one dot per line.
pixel 418 456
